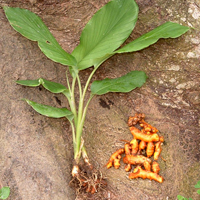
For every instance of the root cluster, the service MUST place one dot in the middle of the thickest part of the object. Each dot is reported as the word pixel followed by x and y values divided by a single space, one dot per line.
pixel 138 152
pixel 87 180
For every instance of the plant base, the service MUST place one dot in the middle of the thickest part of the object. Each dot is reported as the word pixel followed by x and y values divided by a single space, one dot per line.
pixel 88 182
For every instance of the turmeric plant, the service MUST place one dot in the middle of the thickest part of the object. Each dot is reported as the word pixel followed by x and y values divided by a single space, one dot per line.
pixel 101 38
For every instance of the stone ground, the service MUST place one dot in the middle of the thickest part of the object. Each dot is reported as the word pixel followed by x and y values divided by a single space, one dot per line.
pixel 36 152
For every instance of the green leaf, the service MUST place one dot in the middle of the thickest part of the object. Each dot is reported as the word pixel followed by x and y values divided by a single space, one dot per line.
pixel 30 83
pixel 179 197
pixel 125 83
pixel 198 191
pixel 106 31
pixel 50 111
pixel 32 27
pixel 197 185
pixel 49 85
pixel 99 61
pixel 166 30
pixel 4 192
pixel 52 86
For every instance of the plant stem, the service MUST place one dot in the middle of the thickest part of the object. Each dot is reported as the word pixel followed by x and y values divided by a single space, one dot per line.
pixel 73 135
pixel 68 84
pixel 85 157
pixel 81 101
pixel 81 124
pixel 81 114
pixel 73 102
pixel 85 110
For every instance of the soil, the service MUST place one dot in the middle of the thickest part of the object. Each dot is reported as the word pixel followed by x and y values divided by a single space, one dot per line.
pixel 36 152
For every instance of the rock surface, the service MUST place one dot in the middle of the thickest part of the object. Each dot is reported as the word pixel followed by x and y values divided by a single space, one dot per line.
pixel 36 152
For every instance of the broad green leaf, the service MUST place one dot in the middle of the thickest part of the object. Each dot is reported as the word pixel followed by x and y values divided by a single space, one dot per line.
pixel 125 83
pixel 198 191
pixel 4 192
pixel 50 111
pixel 32 27
pixel 30 83
pixel 52 86
pixel 99 61
pixel 166 30
pixel 197 185
pixel 106 31
pixel 49 85
pixel 190 199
